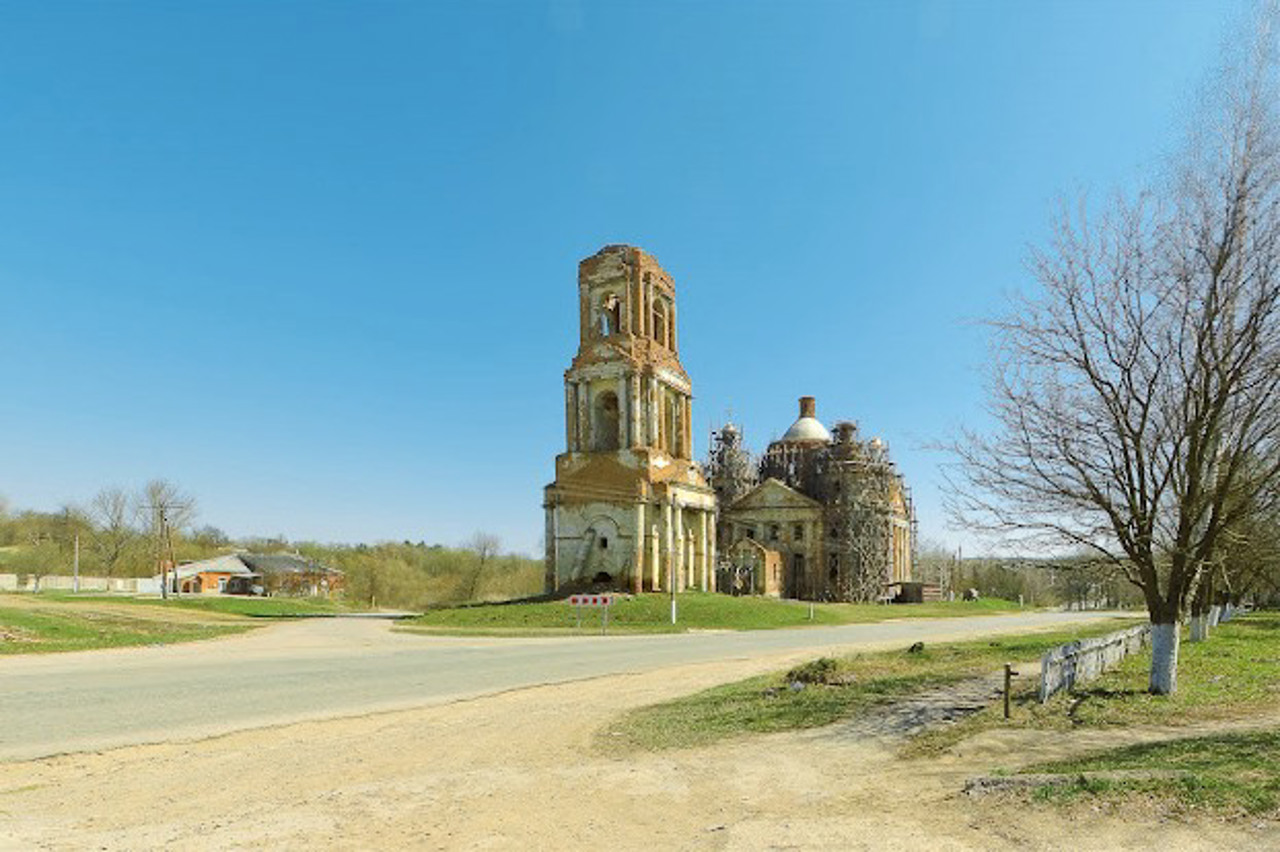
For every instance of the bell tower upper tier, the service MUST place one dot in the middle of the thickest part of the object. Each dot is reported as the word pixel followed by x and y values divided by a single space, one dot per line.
pixel 625 297
pixel 625 390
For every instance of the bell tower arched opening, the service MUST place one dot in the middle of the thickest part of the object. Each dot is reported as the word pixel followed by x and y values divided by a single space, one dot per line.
pixel 609 315
pixel 605 418
pixel 659 324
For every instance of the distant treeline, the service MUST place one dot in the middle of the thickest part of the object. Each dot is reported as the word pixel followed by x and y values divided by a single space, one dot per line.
pixel 123 534
pixel 1079 583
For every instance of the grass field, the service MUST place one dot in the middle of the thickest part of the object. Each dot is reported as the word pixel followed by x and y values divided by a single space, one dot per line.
pixel 834 690
pixel 27 630
pixel 1233 675
pixel 651 613
pixel 253 607
pixel 1233 773
pixel 61 621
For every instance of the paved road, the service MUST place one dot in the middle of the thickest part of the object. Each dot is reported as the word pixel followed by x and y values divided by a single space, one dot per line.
pixel 324 668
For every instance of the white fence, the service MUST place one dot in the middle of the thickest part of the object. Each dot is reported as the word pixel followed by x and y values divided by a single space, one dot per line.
pixel 51 582
pixel 1083 660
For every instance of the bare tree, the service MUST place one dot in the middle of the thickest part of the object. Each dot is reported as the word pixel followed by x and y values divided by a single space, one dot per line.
pixel 485 547
pixel 111 511
pixel 164 509
pixel 1137 396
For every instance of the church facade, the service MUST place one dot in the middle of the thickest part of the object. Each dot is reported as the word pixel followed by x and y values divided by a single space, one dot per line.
pixel 818 517
pixel 629 508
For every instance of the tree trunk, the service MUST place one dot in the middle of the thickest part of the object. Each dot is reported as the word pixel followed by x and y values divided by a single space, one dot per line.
pixel 1215 615
pixel 1164 658
pixel 1199 628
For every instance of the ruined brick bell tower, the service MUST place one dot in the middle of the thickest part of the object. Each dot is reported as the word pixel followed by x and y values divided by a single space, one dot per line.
pixel 629 508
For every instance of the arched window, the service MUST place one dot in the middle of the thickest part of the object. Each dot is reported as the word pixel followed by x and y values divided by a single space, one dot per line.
pixel 610 315
pixel 604 422
pixel 660 321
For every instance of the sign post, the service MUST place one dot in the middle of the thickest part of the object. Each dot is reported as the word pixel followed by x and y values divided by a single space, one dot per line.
pixel 597 601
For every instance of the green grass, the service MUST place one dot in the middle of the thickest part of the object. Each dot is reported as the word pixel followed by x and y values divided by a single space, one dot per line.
pixel 1234 672
pixel 1233 773
pixel 1230 676
pixel 768 703
pixel 651 613
pixel 254 607
pixel 34 631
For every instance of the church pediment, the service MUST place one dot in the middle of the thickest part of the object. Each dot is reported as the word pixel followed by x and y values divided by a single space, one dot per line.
pixel 773 494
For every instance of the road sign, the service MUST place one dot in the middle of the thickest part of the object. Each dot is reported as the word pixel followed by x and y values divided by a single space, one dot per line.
pixel 598 601
pixel 590 600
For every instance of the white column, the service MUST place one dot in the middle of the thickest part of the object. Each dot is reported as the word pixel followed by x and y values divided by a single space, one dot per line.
pixel 703 553
pixel 637 569
pixel 646 316
pixel 668 548
pixel 690 562
pixel 678 515
pixel 655 559
pixel 570 418
pixel 711 550
pixel 624 405
pixel 655 409
pixel 637 433
pixel 584 421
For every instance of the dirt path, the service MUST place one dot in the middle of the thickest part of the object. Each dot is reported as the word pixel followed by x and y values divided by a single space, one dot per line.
pixel 519 771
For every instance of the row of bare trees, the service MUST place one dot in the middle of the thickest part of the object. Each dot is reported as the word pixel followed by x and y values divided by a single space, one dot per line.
pixel 117 533
pixel 1136 392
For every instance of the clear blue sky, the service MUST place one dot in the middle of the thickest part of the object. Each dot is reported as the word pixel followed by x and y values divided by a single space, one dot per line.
pixel 316 262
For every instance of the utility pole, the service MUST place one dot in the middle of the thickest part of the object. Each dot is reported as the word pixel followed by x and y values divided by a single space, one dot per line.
pixel 158 522
pixel 164 544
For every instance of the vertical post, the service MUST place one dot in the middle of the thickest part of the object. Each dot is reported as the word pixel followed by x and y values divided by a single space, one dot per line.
pixel 1008 676
pixel 173 560
pixel 604 625
pixel 164 569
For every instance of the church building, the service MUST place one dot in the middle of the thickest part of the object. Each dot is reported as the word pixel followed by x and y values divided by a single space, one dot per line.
pixel 629 508
pixel 820 516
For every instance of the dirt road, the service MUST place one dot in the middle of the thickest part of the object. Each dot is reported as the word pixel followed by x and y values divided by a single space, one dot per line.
pixel 525 769
pixel 322 668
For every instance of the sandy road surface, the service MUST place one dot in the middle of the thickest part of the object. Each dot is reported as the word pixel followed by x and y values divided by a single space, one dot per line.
pixel 322 668
pixel 522 770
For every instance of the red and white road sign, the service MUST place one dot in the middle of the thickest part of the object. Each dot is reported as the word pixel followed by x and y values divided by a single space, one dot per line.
pixel 590 600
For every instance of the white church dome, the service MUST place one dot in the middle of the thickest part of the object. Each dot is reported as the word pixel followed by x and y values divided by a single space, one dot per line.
pixel 807 427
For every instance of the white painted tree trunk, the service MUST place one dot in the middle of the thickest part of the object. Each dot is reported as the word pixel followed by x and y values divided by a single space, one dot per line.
pixel 1164 658
pixel 1215 615
pixel 1199 628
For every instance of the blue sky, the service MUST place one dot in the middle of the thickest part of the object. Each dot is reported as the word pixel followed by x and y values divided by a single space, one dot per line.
pixel 316 262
